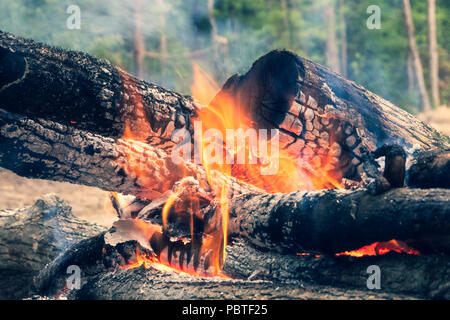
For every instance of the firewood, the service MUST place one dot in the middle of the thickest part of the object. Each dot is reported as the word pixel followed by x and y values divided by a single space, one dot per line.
pixel 83 92
pixel 48 150
pixel 430 169
pixel 52 150
pixel 73 132
pixel 33 236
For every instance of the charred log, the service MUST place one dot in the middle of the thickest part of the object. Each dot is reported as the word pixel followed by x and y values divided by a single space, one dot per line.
pixel 311 220
pixel 33 236
pixel 49 150
pixel 144 284
pixel 319 112
pixel 282 83
pixel 334 221
pixel 264 274
pixel 430 169
pixel 83 92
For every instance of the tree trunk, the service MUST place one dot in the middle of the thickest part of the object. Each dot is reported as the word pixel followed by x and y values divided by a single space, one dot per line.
pixel 331 42
pixel 163 53
pixel 343 33
pixel 138 41
pixel 219 43
pixel 434 56
pixel 411 76
pixel 286 22
pixel 425 102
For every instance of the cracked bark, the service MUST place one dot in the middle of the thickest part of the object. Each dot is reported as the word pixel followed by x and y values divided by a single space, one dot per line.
pixel 48 150
pixel 56 149
pixel 87 101
pixel 87 93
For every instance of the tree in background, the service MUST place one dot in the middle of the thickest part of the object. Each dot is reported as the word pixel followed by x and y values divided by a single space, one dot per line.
pixel 343 38
pixel 415 54
pixel 173 33
pixel 138 40
pixel 331 46
pixel 433 49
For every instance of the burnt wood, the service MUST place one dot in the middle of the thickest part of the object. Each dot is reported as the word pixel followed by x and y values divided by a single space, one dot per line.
pixel 430 169
pixel 33 236
pixel 255 274
pixel 50 151
pixel 83 92
pixel 63 114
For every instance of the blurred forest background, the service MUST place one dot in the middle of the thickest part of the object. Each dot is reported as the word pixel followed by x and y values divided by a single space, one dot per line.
pixel 406 60
pixel 158 39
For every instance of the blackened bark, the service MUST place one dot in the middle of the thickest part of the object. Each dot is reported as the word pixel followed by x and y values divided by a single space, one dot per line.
pixel 83 92
pixel 33 236
pixel 284 85
pixel 430 169
pixel 48 150
pixel 255 274
pixel 334 221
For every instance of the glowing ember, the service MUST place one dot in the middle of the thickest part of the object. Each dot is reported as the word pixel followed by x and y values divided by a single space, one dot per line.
pixel 149 261
pixel 291 172
pixel 308 254
pixel 380 248
pixel 374 249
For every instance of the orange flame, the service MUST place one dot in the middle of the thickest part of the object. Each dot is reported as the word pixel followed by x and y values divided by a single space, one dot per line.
pixel 380 248
pixel 374 249
pixel 295 172
pixel 221 115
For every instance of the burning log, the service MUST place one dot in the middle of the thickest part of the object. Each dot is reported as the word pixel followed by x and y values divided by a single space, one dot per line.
pixel 327 121
pixel 48 150
pixel 58 153
pixel 83 92
pixel 330 131
pixel 334 221
pixel 295 276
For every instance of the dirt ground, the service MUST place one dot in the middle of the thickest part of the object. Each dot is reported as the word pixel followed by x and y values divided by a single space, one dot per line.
pixel 87 203
pixel 438 118
pixel 93 205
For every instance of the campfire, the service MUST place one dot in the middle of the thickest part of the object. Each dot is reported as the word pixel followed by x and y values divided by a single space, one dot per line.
pixel 315 167
pixel 286 173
